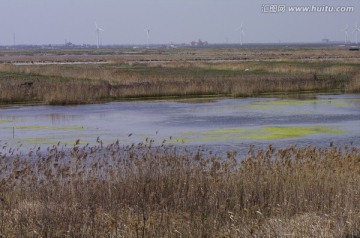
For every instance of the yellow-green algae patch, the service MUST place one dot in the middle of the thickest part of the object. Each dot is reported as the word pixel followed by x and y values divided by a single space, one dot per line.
pixel 274 133
pixel 263 133
pixel 33 127
pixel 279 103
pixel 215 135
pixel 33 140
pixel 283 103
pixel 5 121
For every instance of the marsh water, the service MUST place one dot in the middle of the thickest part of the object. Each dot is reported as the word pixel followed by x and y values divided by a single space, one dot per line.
pixel 319 120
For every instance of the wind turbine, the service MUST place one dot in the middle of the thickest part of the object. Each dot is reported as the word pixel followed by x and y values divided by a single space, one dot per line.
pixel 147 36
pixel 346 32
pixel 98 29
pixel 241 29
pixel 357 30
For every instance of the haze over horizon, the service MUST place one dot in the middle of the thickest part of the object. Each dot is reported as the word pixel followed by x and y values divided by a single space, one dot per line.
pixel 171 21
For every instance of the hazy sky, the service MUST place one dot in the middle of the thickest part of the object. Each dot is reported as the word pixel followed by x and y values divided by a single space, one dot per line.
pixel 178 21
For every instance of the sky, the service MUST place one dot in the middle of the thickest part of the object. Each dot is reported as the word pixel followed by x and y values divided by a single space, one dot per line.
pixel 173 21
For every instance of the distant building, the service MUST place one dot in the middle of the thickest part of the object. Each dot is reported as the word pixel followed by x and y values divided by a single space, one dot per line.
pixel 199 43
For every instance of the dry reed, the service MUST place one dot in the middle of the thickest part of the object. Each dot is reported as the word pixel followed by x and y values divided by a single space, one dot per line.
pixel 148 190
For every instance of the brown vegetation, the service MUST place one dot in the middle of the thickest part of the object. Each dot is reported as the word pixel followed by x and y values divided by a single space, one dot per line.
pixel 162 191
pixel 152 73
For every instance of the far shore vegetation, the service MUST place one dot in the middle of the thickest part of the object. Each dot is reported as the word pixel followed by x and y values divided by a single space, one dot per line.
pixel 75 76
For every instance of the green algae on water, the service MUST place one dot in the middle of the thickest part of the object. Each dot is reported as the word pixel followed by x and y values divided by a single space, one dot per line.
pixel 262 133
pixel 299 103
pixel 6 121
pixel 33 127
pixel 37 140
pixel 274 133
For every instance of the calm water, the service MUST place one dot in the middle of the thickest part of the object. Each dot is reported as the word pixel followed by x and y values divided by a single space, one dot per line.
pixel 219 123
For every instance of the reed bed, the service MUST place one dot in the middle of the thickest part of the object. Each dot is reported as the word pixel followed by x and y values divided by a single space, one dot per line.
pixel 64 84
pixel 130 73
pixel 152 190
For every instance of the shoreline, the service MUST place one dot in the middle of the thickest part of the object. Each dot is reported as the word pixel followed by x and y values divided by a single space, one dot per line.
pixel 142 74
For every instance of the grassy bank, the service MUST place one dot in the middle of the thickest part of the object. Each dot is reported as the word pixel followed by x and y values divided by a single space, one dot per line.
pixel 147 191
pixel 181 73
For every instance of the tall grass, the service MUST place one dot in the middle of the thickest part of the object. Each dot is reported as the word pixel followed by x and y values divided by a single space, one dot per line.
pixel 84 84
pixel 145 190
pixel 183 72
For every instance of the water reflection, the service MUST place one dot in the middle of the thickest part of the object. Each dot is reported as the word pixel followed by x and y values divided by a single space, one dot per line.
pixel 59 118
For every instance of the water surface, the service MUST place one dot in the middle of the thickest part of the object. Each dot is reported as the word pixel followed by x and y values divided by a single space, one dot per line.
pixel 322 120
